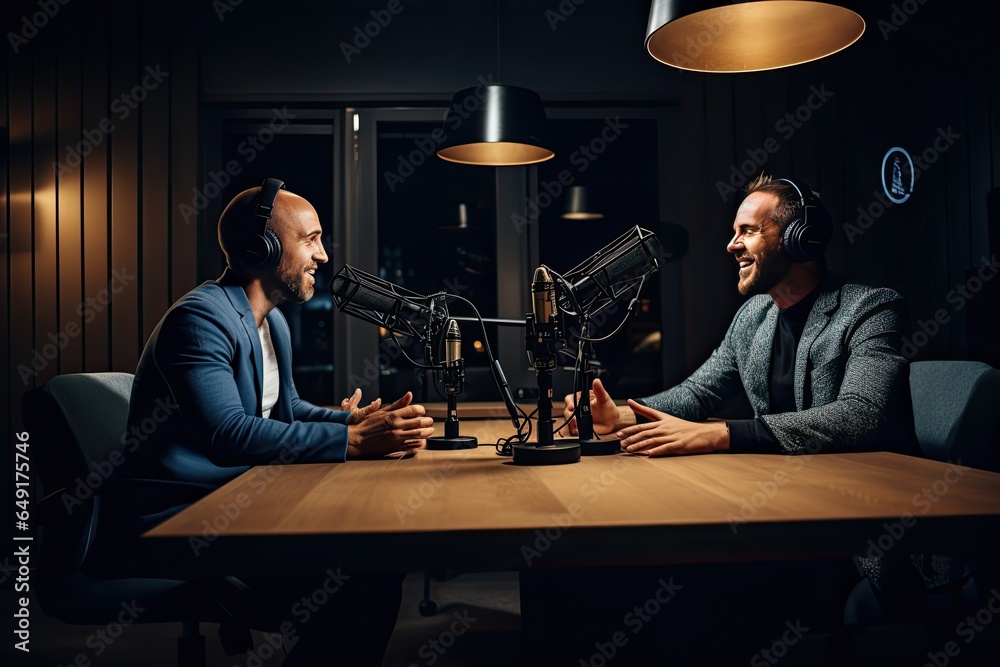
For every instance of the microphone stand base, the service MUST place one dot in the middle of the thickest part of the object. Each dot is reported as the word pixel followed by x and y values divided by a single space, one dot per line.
pixel 460 442
pixel 600 447
pixel 561 452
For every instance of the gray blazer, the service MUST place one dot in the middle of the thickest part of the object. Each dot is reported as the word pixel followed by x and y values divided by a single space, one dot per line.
pixel 851 379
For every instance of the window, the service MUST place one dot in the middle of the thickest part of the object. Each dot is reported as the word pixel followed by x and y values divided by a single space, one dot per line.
pixel 615 157
pixel 253 146
pixel 391 207
pixel 436 232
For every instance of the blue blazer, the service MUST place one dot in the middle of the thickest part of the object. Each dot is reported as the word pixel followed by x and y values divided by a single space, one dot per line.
pixel 195 408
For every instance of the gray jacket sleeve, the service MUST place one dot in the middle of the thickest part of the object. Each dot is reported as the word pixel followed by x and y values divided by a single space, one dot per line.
pixel 708 389
pixel 852 381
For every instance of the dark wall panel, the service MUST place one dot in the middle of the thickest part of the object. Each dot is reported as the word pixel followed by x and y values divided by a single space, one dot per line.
pixel 6 376
pixel 429 50
pixel 126 71
pixel 47 338
pixel 92 149
pixel 20 244
pixel 182 249
pixel 978 109
pixel 69 212
pixel 97 333
pixel 155 170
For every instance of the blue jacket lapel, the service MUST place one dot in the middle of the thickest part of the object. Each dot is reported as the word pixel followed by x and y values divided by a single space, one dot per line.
pixel 281 339
pixel 234 292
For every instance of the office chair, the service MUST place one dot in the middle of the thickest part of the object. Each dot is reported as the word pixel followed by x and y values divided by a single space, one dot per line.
pixel 956 419
pixel 76 424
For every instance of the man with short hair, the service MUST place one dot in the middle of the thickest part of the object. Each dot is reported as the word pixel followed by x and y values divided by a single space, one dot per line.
pixel 821 364
pixel 820 361
pixel 213 395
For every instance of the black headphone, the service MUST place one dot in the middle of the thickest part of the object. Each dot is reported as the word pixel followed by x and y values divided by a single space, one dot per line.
pixel 262 251
pixel 807 235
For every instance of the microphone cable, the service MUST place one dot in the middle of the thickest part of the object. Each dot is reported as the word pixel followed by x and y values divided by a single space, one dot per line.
pixel 523 418
pixel 504 445
pixel 406 356
pixel 632 307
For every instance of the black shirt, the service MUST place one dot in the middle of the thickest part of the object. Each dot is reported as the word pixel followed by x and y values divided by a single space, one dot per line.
pixel 753 435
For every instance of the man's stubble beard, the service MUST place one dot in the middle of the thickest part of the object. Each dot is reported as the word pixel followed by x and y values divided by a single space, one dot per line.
pixel 772 266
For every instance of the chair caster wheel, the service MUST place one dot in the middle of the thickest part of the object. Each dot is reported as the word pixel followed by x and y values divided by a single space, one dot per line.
pixel 428 608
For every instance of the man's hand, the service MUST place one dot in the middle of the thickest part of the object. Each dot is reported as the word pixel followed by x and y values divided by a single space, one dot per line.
pixel 607 416
pixel 358 414
pixel 666 435
pixel 396 427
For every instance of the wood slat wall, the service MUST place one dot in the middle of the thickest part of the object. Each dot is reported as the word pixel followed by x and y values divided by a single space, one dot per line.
pixel 88 252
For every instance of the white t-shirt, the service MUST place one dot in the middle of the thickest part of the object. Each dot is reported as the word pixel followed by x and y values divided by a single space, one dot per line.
pixel 270 383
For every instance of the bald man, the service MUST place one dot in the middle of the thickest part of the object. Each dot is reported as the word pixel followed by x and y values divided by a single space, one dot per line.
pixel 213 393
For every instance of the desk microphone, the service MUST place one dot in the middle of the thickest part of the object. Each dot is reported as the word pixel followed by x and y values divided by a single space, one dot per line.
pixel 542 343
pixel 545 311
pixel 453 362
pixel 454 380
pixel 543 338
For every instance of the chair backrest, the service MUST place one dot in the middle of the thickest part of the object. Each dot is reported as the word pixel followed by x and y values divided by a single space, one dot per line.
pixel 956 411
pixel 95 406
pixel 78 421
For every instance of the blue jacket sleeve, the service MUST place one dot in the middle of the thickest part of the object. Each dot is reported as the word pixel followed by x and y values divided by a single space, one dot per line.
pixel 195 354
pixel 307 412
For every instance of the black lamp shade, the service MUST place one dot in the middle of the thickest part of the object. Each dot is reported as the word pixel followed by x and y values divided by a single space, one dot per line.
pixel 580 205
pixel 496 126
pixel 703 36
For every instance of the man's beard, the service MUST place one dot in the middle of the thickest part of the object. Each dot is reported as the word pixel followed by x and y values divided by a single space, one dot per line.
pixel 772 267
pixel 296 290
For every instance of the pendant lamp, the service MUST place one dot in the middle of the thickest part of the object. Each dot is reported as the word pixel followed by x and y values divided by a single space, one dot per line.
pixel 495 125
pixel 748 36
pixel 580 205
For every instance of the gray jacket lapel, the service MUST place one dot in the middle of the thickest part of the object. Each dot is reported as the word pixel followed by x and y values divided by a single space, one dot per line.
pixel 757 380
pixel 819 317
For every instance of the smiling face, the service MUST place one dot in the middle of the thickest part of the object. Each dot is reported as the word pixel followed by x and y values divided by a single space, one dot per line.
pixel 297 225
pixel 756 244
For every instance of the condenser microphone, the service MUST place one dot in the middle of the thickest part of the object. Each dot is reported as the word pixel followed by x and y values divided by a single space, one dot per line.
pixel 544 333
pixel 609 273
pixel 395 308
pixel 542 343
pixel 454 379
pixel 543 296
pixel 454 365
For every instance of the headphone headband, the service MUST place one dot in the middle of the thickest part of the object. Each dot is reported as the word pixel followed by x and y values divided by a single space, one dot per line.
pixel 268 193
pixel 799 188
pixel 806 236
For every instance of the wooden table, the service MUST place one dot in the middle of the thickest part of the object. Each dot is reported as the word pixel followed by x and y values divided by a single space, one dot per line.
pixel 473 510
